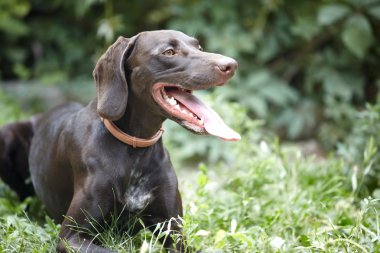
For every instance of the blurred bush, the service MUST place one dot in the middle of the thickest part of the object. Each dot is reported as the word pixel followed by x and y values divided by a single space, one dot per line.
pixel 360 149
pixel 305 66
pixel 10 111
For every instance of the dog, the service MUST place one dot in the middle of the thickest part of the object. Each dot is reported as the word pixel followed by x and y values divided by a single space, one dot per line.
pixel 108 157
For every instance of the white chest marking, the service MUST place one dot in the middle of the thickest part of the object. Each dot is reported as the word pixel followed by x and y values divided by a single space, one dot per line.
pixel 137 195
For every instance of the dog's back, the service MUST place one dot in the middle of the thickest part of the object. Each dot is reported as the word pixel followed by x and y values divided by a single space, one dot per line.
pixel 15 140
pixel 15 147
pixel 49 159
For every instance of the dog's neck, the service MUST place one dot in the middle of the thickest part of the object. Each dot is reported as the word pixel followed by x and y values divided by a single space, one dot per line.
pixel 139 121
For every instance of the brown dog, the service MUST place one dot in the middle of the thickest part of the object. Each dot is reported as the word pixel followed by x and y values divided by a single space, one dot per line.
pixel 108 157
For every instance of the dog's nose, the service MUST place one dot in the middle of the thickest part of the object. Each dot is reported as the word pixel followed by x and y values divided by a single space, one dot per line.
pixel 227 66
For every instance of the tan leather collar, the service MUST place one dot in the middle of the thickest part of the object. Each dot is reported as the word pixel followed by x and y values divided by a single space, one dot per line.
pixel 131 140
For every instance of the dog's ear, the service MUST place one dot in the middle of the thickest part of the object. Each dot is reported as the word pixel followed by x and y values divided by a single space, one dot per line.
pixel 111 82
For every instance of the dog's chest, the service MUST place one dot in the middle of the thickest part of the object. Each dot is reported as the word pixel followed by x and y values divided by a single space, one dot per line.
pixel 139 193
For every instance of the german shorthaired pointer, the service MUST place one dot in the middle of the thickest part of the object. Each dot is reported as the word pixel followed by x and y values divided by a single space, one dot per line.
pixel 107 158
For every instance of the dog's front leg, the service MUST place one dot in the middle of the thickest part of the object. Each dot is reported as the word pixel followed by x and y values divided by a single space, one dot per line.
pixel 84 209
pixel 163 215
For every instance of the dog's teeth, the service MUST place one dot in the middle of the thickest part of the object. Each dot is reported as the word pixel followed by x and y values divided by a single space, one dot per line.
pixel 172 101
pixel 177 107
pixel 202 121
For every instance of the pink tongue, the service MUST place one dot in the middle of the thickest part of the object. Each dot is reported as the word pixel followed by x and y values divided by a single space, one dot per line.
pixel 212 122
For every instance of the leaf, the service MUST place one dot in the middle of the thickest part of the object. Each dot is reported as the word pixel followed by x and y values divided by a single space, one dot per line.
pixel 202 232
pixel 202 180
pixel 243 238
pixel 144 247
pixel 370 150
pixel 13 27
pixel 375 12
pixel 357 35
pixel 21 9
pixel 220 235
pixel 233 226
pixel 305 240
pixel 305 28
pixel 257 104
pixel 296 126
pixel 269 48
pixel 277 242
pixel 329 14
pixel 376 194
pixel 335 85
pixel 278 92
pixel 354 180
pixel 105 30
pixel 108 27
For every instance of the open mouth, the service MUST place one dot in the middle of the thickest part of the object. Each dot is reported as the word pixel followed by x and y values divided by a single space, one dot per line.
pixel 183 107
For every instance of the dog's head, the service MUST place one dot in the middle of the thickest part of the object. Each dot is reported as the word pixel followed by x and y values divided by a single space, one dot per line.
pixel 162 69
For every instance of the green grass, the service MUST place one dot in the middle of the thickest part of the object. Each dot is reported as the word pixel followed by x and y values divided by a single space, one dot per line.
pixel 276 204
pixel 265 197
pixel 271 200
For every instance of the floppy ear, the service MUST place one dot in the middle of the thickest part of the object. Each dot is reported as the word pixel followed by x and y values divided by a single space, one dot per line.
pixel 111 83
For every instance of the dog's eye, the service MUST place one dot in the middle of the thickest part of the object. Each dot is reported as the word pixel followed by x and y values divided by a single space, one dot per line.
pixel 200 48
pixel 169 52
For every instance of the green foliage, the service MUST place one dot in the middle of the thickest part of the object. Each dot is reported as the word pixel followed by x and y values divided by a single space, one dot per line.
pixel 271 203
pixel 360 150
pixel 357 35
pixel 10 111
pixel 296 64
pixel 18 233
pixel 330 13
pixel 12 28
